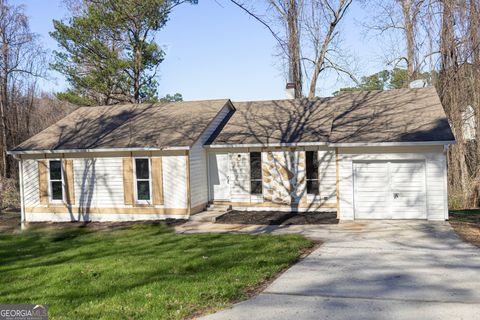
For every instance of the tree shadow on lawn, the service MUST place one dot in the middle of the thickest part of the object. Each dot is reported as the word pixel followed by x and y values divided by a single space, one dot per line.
pixel 72 271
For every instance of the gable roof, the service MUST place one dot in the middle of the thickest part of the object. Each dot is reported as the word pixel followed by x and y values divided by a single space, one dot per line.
pixel 278 121
pixel 395 116
pixel 403 115
pixel 155 126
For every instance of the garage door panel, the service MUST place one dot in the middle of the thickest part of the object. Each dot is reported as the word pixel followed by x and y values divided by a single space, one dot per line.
pixel 389 190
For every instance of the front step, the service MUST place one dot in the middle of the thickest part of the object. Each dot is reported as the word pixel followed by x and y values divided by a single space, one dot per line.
pixel 218 207
pixel 207 216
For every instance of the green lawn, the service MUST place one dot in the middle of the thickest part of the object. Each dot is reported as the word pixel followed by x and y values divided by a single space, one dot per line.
pixel 144 271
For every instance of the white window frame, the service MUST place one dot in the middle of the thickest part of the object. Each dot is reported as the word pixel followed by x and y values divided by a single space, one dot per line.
pixel 317 194
pixel 149 201
pixel 50 193
pixel 250 174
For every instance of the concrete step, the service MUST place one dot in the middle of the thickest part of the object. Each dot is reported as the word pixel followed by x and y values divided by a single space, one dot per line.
pixel 206 216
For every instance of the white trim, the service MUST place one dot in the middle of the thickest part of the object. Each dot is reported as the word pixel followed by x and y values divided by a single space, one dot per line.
pixel 95 150
pixel 305 144
pixel 445 182
pixel 261 145
pixel 135 180
pixel 62 180
pixel 250 174
pixel 22 194
pixel 391 144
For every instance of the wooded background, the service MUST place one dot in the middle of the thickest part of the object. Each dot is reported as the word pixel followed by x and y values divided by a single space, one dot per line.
pixel 109 55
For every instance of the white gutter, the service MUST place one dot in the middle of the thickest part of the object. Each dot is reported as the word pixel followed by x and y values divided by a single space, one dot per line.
pixel 260 145
pixel 355 144
pixel 390 144
pixel 13 153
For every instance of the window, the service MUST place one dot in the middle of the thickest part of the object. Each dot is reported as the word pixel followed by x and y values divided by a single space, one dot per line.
pixel 142 179
pixel 255 172
pixel 56 180
pixel 312 172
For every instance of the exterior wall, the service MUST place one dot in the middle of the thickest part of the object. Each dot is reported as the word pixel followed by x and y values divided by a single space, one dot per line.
pixel 99 191
pixel 198 163
pixel 435 167
pixel 275 186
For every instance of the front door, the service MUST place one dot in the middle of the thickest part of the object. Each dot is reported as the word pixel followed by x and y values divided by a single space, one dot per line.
pixel 219 179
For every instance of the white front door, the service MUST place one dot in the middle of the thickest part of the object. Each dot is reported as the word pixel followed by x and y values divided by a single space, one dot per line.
pixel 219 180
pixel 389 190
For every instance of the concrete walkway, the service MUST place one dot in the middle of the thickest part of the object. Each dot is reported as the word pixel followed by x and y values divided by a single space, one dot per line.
pixel 368 270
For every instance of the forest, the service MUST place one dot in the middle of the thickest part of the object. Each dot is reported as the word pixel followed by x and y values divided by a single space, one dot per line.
pixel 109 53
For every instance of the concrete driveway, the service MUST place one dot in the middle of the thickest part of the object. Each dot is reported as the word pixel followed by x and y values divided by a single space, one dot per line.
pixel 374 270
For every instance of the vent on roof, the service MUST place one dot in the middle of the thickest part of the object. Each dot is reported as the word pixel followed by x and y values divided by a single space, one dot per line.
pixel 416 84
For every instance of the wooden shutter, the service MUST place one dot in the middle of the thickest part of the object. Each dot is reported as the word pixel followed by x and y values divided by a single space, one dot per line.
pixel 43 181
pixel 128 180
pixel 69 183
pixel 157 182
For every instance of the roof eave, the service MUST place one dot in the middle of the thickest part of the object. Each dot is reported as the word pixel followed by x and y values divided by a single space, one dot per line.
pixel 341 144
pixel 264 145
pixel 20 152
pixel 391 144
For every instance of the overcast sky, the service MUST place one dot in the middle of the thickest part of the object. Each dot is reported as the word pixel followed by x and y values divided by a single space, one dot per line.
pixel 214 50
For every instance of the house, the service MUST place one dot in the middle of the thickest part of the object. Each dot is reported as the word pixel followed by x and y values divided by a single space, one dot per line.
pixel 365 155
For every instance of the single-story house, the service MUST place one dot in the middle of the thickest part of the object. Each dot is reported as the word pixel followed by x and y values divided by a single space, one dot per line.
pixel 365 155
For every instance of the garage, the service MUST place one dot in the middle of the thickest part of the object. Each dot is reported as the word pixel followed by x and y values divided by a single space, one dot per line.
pixel 389 190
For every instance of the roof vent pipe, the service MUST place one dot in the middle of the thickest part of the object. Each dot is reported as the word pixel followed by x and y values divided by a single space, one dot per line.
pixel 290 90
pixel 417 84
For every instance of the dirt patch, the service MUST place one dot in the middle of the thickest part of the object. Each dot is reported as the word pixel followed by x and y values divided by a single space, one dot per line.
pixel 9 221
pixel 277 218
pixel 468 231
pixel 466 224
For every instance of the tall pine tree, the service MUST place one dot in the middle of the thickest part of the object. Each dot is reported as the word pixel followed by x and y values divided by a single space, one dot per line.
pixel 109 54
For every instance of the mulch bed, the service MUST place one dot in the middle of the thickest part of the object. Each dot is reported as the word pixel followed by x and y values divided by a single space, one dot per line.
pixel 277 218
pixel 10 222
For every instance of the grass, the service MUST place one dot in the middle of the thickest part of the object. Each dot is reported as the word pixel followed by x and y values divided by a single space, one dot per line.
pixel 466 224
pixel 144 271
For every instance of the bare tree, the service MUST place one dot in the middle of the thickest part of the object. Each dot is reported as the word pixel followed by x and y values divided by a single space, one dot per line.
pixel 310 29
pixel 21 60
pixel 406 17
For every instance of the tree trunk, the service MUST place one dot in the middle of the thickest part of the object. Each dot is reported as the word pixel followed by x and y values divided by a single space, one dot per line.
pixel 408 17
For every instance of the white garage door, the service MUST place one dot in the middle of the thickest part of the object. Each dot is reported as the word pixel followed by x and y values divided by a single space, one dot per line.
pixel 389 190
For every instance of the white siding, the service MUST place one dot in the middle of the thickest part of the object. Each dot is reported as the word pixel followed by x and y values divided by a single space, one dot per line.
pixel 30 180
pixel 327 176
pixel 240 176
pixel 435 174
pixel 175 181
pixel 84 171
pixel 98 182
pixel 198 162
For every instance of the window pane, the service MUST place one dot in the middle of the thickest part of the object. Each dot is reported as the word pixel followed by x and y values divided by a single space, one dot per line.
pixel 255 165
pixel 141 166
pixel 55 170
pixel 312 165
pixel 57 190
pixel 312 186
pixel 256 187
pixel 143 190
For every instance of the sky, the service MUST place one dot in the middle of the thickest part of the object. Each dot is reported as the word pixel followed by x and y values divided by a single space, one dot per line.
pixel 215 50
